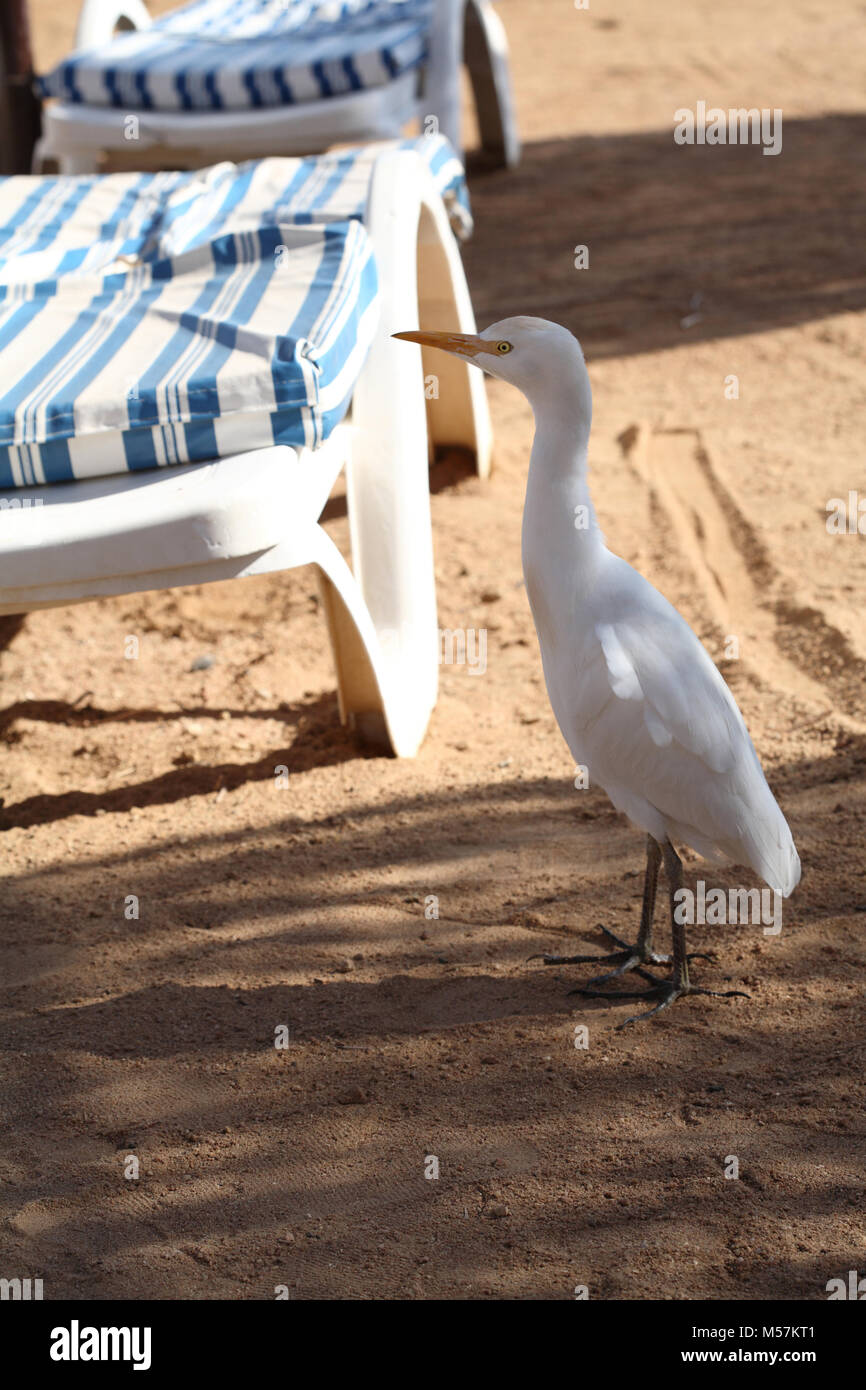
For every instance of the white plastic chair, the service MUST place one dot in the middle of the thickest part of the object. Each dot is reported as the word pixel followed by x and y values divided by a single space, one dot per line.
pixel 260 511
pixel 470 31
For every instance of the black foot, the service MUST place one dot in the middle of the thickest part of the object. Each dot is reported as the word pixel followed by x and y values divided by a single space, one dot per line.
pixel 666 991
pixel 627 958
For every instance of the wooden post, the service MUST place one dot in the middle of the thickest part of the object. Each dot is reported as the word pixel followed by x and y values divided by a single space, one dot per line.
pixel 20 111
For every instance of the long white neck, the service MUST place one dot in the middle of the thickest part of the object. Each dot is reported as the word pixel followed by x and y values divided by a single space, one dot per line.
pixel 561 539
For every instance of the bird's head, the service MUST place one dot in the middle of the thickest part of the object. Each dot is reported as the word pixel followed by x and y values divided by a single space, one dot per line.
pixel 541 358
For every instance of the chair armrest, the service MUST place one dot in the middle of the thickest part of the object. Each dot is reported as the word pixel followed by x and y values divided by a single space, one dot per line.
pixel 100 18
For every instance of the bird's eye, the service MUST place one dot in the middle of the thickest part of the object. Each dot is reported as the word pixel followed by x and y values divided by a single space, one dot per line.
pixel 503 347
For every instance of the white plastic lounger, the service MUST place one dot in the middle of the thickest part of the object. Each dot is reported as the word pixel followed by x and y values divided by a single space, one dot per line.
pixel 123 525
pixel 249 78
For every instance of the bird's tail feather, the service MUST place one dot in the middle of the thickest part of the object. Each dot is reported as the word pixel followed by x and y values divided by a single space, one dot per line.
pixel 771 849
pixel 764 841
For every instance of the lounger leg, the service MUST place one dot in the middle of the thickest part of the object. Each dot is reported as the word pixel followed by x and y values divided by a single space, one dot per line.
pixel 485 53
pixel 384 631
pixel 388 484
pixel 384 688
pixel 84 163
pixel 457 410
pixel 362 701
pixel 52 148
pixel 442 75
pixel 41 154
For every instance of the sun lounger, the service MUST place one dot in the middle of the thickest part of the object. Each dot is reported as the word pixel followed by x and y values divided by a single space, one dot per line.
pixel 190 360
pixel 242 78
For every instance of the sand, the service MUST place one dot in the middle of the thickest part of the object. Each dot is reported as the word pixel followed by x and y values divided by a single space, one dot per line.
pixel 413 1037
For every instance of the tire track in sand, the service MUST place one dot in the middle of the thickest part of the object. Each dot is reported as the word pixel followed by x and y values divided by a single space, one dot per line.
pixel 787 641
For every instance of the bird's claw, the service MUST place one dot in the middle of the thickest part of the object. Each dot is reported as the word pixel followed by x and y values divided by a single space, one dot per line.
pixel 652 980
pixel 628 957
pixel 668 990
pixel 630 960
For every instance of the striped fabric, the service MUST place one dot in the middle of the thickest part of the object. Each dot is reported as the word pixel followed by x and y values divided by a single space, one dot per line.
pixel 235 54
pixel 150 319
pixel 52 226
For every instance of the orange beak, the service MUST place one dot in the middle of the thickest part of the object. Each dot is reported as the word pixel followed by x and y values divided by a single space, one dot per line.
pixel 464 344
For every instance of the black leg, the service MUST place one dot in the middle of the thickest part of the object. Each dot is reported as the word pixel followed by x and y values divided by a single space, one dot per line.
pixel 628 957
pixel 674 871
pixel 650 886
pixel 678 983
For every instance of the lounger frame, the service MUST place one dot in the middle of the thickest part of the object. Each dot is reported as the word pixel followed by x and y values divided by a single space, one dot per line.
pixel 258 512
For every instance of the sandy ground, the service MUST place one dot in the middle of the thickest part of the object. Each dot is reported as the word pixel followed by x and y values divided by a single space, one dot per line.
pixel 413 1037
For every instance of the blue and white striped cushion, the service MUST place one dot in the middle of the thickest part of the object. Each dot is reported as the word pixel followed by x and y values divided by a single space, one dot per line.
pixel 54 226
pixel 149 319
pixel 237 54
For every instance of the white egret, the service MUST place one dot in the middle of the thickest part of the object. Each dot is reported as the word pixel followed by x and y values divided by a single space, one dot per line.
pixel 637 698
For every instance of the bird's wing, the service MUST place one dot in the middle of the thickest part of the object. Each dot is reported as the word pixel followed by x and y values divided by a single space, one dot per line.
pixel 652 656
